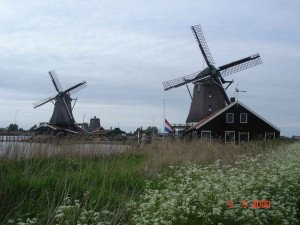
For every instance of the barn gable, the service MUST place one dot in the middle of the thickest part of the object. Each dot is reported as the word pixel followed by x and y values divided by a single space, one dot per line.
pixel 235 123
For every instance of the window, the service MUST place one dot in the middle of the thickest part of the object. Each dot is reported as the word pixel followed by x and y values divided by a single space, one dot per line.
pixel 229 118
pixel 209 108
pixel 243 117
pixel 269 135
pixel 205 135
pixel 209 94
pixel 243 137
pixel 198 87
pixel 229 136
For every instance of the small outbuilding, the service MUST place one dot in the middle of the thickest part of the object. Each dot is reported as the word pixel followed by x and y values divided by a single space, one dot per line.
pixel 235 123
pixel 95 124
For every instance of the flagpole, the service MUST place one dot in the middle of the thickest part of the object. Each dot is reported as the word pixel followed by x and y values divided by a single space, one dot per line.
pixel 164 119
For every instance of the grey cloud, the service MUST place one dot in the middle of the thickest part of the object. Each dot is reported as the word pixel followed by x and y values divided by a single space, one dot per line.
pixel 125 49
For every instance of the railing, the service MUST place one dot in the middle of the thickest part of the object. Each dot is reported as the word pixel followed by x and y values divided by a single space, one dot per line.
pixel 13 138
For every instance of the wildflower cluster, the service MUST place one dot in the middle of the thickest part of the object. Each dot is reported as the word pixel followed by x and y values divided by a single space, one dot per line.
pixel 71 212
pixel 194 194
pixel 28 221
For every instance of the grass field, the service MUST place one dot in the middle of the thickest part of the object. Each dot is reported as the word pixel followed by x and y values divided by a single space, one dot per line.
pixel 170 183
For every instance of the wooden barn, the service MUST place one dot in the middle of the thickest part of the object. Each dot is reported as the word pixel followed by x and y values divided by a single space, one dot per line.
pixel 235 123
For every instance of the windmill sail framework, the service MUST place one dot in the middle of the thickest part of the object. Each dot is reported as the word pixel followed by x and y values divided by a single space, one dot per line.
pixel 62 115
pixel 209 95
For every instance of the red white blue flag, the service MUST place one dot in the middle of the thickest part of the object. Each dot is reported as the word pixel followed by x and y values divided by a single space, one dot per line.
pixel 168 127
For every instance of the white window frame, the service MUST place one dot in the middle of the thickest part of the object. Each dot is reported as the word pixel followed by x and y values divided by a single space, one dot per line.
pixel 210 94
pixel 268 133
pixel 194 135
pixel 233 136
pixel 227 116
pixel 240 135
pixel 205 131
pixel 198 87
pixel 246 118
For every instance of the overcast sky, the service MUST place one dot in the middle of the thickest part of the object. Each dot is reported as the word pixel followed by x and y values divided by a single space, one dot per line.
pixel 124 50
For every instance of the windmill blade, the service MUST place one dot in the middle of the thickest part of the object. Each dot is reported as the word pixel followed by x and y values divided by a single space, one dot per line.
pixel 43 101
pixel 197 31
pixel 55 81
pixel 240 65
pixel 175 83
pixel 205 78
pixel 66 112
pixel 76 88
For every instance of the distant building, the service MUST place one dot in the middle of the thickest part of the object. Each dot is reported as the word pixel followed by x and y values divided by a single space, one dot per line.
pixel 84 126
pixel 296 138
pixel 235 123
pixel 95 124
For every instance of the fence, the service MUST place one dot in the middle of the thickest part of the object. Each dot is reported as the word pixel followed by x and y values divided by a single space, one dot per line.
pixel 13 138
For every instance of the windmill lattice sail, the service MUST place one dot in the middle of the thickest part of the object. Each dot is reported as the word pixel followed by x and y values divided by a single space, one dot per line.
pixel 55 81
pixel 240 65
pixel 180 81
pixel 199 36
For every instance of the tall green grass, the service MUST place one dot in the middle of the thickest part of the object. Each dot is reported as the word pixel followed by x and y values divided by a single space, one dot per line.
pixel 33 187
pixel 80 187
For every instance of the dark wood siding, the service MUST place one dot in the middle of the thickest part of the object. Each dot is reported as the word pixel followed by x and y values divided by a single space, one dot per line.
pixel 255 125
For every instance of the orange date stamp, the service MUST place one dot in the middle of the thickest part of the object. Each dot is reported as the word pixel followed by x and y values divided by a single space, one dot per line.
pixel 255 204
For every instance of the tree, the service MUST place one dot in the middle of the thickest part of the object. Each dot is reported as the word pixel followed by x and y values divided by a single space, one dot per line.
pixel 32 128
pixel 150 130
pixel 139 129
pixel 116 132
pixel 12 127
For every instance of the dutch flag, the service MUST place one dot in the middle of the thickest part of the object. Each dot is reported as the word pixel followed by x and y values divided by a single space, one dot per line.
pixel 168 127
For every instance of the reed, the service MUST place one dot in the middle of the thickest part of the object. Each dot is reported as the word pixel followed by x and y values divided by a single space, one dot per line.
pixel 162 155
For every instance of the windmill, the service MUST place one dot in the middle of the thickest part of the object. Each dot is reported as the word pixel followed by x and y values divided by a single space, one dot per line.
pixel 209 95
pixel 62 114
